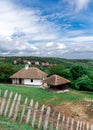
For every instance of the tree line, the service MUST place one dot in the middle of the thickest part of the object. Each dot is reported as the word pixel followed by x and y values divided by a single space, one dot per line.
pixel 81 77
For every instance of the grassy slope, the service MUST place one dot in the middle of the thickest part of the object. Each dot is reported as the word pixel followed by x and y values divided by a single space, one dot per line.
pixel 45 97
pixel 69 103
pixel 5 124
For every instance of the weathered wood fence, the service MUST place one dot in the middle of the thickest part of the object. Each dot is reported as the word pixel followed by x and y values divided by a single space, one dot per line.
pixel 38 118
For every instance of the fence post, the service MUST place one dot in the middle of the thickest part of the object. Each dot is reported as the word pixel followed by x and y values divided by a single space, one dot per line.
pixel 16 108
pixel 52 121
pixel 67 126
pixel 29 111
pixel 63 123
pixel 34 114
pixel 80 125
pixel 72 123
pixel 24 108
pixel 12 106
pixel 8 103
pixel 47 118
pixel 77 127
pixel 58 119
pixel 87 126
pixel 41 114
pixel 3 102
pixel 83 126
pixel 91 127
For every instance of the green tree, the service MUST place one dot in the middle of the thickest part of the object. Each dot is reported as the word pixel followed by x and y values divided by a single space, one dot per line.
pixel 60 70
pixel 56 69
pixel 84 83
pixel 78 71
pixel 6 70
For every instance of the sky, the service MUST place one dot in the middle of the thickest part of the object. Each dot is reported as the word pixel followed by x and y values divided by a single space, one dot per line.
pixel 49 28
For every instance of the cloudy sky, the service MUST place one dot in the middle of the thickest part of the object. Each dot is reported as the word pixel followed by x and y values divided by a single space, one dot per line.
pixel 53 28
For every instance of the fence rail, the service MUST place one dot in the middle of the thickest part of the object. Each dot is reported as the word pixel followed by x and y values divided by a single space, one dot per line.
pixel 40 118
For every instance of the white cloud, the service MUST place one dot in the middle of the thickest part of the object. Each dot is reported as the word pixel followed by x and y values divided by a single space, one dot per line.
pixel 81 4
pixel 77 5
pixel 26 32
pixel 28 21
pixel 61 46
pixel 49 44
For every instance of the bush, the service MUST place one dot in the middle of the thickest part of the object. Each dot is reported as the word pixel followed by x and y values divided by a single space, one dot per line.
pixel 6 70
pixel 83 83
pixel 78 71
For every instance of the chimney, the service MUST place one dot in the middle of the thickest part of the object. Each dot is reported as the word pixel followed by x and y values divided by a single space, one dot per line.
pixel 26 67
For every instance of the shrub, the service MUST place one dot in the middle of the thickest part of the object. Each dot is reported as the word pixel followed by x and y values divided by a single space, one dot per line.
pixel 83 83
pixel 78 71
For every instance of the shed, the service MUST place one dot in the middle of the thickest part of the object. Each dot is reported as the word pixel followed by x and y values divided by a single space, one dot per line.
pixel 57 82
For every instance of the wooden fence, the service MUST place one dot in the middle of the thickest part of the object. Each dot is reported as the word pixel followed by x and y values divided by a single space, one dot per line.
pixel 40 118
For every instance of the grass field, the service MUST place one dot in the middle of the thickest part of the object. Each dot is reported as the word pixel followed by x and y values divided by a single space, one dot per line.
pixel 45 97
pixel 67 102
pixel 5 124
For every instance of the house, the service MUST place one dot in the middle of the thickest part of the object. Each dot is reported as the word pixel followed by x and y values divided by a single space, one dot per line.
pixel 57 82
pixel 14 62
pixel 45 64
pixel 29 76
pixel 37 63
pixel 27 62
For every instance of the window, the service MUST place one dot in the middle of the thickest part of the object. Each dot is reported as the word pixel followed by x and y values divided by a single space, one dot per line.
pixel 31 80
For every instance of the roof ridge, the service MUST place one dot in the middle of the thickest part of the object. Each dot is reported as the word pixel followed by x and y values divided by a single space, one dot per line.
pixel 55 79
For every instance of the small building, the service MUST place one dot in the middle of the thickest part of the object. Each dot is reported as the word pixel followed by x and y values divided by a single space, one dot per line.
pixel 57 82
pixel 37 63
pixel 45 64
pixel 29 76
pixel 14 62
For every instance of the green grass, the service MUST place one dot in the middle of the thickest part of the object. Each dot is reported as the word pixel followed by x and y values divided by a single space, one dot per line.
pixel 45 97
pixel 5 124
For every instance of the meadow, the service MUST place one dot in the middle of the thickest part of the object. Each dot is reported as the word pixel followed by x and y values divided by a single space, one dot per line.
pixel 47 97
pixel 68 103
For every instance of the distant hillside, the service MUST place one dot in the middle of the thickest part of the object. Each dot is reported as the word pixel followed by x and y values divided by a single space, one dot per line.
pixel 51 60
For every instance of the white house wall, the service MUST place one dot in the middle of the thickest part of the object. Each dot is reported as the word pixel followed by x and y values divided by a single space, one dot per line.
pixel 35 82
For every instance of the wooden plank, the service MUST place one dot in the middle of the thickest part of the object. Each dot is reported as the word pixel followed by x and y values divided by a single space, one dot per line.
pixel 12 106
pixel 72 123
pixel 41 115
pixel 80 125
pixel 77 127
pixel 17 107
pixel 24 108
pixel 3 102
pixel 83 126
pixel 63 123
pixel 58 119
pixel 87 127
pixel 8 103
pixel 52 121
pixel 67 124
pixel 34 114
pixel 29 111
pixel 47 118
pixel 91 127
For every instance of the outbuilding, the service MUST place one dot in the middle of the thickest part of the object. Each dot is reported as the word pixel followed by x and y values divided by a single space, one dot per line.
pixel 57 82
